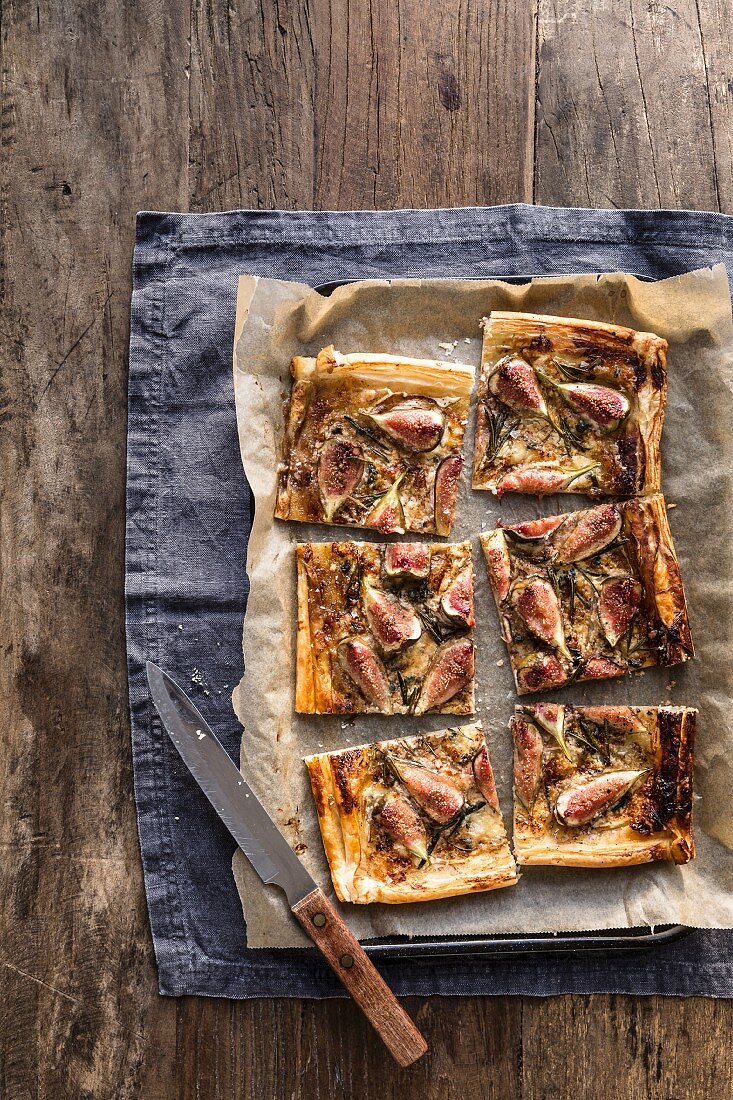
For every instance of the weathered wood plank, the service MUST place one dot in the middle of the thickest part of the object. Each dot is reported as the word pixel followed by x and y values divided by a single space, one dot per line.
pixel 624 116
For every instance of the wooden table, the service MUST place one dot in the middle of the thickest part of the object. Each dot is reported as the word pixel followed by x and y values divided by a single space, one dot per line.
pixel 110 107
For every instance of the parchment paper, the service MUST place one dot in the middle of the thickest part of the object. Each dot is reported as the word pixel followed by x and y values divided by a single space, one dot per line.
pixel 276 320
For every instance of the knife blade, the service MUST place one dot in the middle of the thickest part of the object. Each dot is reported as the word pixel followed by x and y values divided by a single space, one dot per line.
pixel 275 862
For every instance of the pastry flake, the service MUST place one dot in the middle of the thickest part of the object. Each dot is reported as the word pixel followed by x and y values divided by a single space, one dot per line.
pixel 412 819
pixel 568 405
pixel 374 441
pixel 605 786
pixel 384 628
pixel 589 595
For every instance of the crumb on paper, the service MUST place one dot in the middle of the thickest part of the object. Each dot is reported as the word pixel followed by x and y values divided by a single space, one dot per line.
pixel 670 507
pixel 467 340
pixel 180 626
pixel 500 663
pixel 445 347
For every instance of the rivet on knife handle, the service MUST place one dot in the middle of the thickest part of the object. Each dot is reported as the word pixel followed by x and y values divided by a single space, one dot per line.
pixel 361 978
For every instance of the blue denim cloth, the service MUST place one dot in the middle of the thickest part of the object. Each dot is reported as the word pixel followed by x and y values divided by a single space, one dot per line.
pixel 188 519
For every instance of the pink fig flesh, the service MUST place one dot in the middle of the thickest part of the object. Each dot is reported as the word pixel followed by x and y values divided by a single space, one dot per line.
pixel 484 777
pixel 527 760
pixel 340 469
pixel 541 673
pixel 602 407
pixel 451 670
pixel 536 528
pixel 361 664
pixel 400 821
pixel 618 602
pixel 387 514
pixel 515 384
pixel 580 804
pixel 498 563
pixel 621 719
pixel 407 559
pixel 414 427
pixel 456 603
pixel 541 480
pixel 539 609
pixel 600 668
pixel 440 800
pixel 392 622
pixel 447 478
pixel 593 530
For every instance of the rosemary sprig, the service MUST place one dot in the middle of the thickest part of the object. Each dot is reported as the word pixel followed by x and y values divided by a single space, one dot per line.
pixel 499 432
pixel 378 444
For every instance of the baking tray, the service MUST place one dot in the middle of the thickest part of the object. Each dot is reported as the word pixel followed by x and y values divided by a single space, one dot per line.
pixel 542 943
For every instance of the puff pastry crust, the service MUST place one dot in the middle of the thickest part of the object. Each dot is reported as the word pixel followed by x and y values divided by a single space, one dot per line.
pixel 374 441
pixel 374 632
pixel 603 786
pixel 589 595
pixel 596 426
pixel 373 861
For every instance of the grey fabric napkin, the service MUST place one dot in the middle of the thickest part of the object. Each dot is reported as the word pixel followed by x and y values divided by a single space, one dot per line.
pixel 188 519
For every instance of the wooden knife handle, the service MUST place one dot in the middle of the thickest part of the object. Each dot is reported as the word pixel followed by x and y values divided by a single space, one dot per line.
pixel 353 968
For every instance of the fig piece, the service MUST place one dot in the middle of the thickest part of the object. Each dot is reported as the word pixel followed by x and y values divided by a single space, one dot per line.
pixel 618 602
pixel 540 672
pixel 539 609
pixel 515 384
pixel 361 664
pixel 551 718
pixel 386 514
pixel 340 469
pixel 527 760
pixel 602 407
pixel 599 668
pixel 440 800
pixel 447 478
pixel 580 804
pixel 392 622
pixel 533 530
pixel 451 669
pixel 621 719
pixel 402 822
pixel 407 559
pixel 484 777
pixel 498 562
pixel 541 480
pixel 456 603
pixel 414 427
pixel 589 534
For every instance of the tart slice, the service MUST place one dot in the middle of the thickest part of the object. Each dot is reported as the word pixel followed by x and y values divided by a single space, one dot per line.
pixel 412 819
pixel 569 406
pixel 603 786
pixel 589 595
pixel 374 441
pixel 384 629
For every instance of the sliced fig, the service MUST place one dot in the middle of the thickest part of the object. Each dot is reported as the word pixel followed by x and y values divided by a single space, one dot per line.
pixel 527 760
pixel 440 800
pixel 387 514
pixel 392 622
pixel 456 603
pixel 447 478
pixel 604 408
pixel 621 719
pixel 484 777
pixel 552 719
pixel 361 664
pixel 618 602
pixel 402 822
pixel 580 804
pixel 498 562
pixel 407 559
pixel 539 609
pixel 541 480
pixel 451 669
pixel 415 427
pixel 340 469
pixel 534 529
pixel 515 384
pixel 540 672
pixel 600 668
pixel 589 534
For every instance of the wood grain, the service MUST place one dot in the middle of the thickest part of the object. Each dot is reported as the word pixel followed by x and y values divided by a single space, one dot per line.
pixel 112 107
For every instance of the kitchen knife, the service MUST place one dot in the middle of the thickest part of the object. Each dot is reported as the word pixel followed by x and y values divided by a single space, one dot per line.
pixel 275 862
